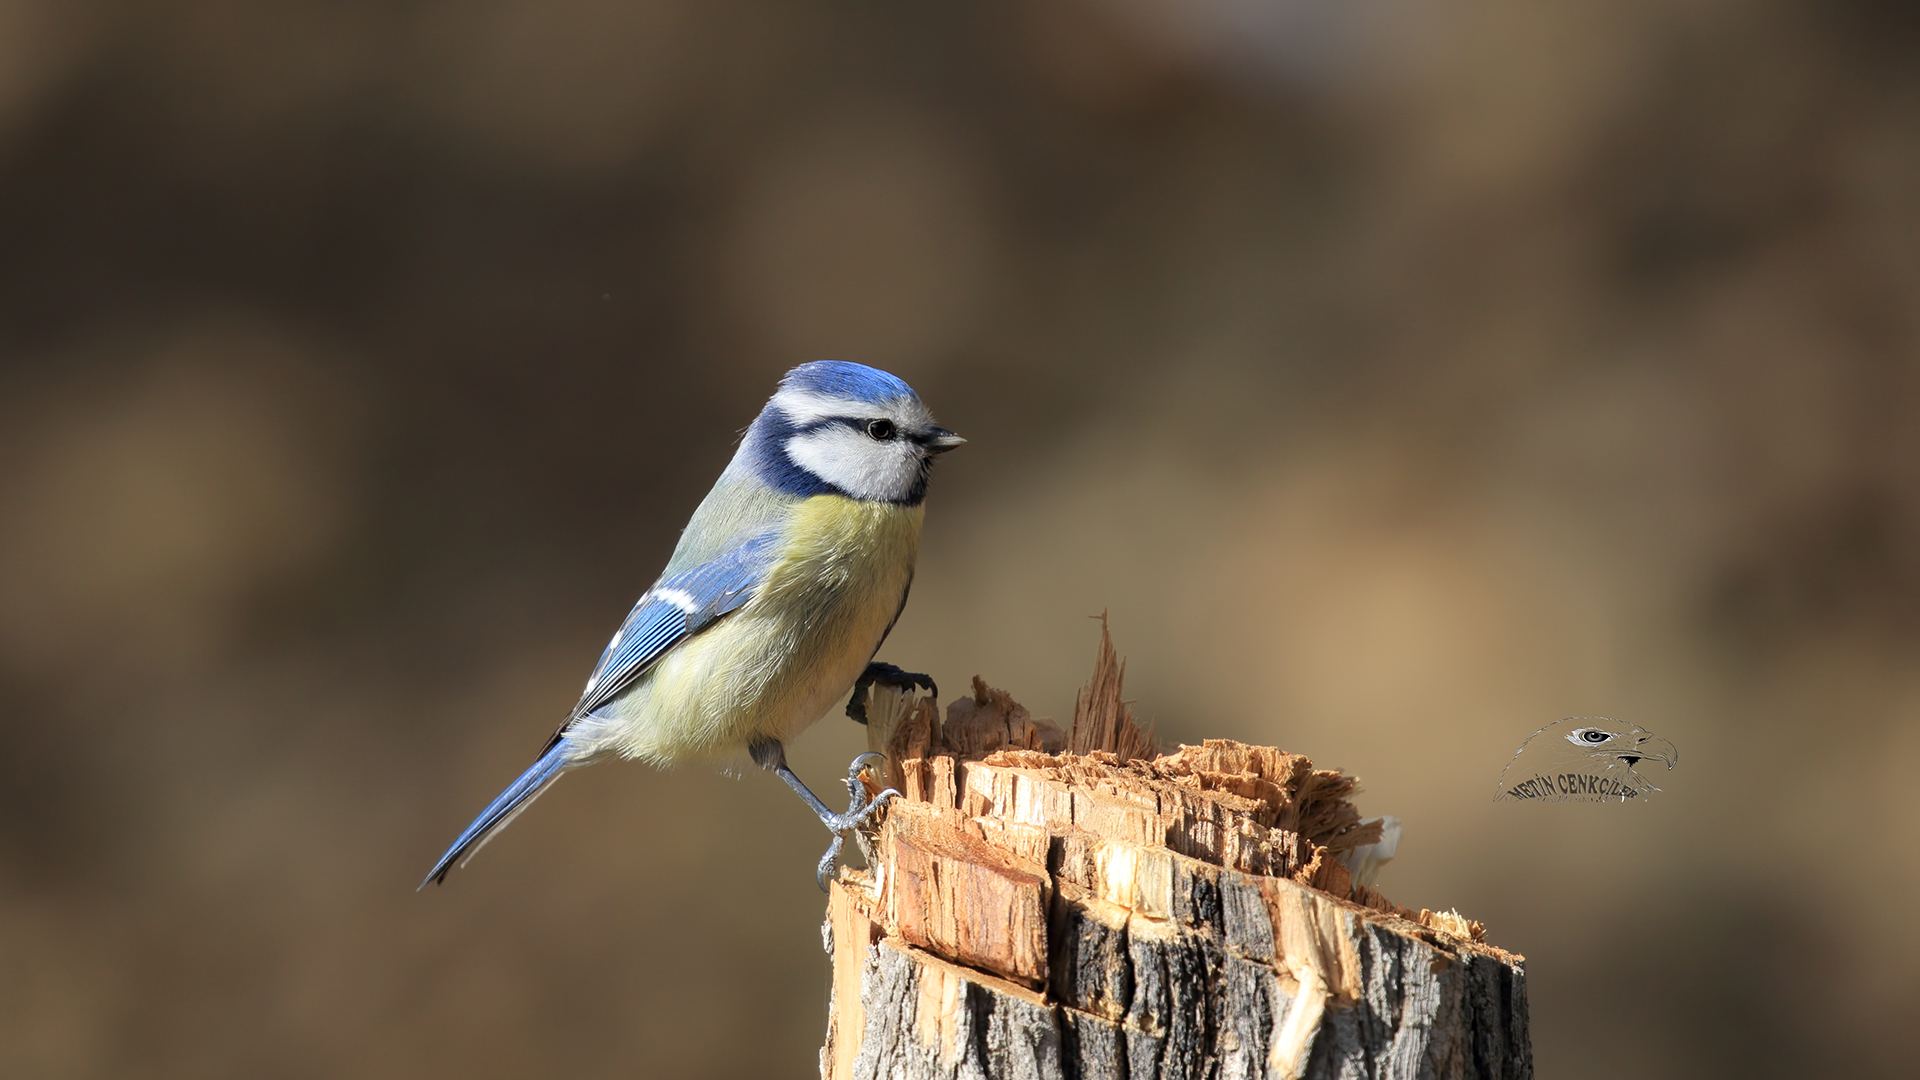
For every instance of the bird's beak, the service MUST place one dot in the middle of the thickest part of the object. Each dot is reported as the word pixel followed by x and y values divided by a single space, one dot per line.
pixel 1654 748
pixel 940 440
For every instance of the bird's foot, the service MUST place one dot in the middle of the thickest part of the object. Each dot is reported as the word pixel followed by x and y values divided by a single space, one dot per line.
pixel 886 675
pixel 860 810
pixel 769 754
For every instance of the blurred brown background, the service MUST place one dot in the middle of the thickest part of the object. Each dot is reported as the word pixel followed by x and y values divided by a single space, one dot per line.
pixel 1403 375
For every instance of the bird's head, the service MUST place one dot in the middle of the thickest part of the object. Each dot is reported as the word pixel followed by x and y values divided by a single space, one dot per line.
pixel 847 429
pixel 1601 739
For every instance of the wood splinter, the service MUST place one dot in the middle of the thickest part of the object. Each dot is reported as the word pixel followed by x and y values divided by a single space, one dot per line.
pixel 1044 904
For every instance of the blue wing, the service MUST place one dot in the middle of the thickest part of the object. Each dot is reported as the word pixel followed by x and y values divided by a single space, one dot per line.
pixel 673 610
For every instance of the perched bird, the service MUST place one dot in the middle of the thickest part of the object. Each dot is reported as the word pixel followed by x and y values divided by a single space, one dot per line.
pixel 1584 759
pixel 785 582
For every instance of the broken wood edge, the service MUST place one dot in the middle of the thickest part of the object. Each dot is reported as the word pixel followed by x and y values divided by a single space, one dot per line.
pixel 1255 809
pixel 1102 721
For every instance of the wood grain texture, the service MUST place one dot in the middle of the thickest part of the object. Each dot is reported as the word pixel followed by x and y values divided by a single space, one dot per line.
pixel 1033 914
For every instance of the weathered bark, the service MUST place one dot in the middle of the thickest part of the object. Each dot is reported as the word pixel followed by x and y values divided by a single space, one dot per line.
pixel 1036 915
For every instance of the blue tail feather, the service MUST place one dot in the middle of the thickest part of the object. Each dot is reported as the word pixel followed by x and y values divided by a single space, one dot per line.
pixel 502 810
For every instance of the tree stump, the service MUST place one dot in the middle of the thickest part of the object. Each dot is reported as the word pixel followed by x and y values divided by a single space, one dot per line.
pixel 1032 912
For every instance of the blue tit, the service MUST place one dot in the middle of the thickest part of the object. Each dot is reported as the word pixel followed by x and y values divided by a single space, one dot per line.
pixel 785 582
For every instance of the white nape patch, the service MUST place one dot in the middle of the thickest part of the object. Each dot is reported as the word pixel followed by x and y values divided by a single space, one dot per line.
pixel 856 463
pixel 804 407
pixel 679 598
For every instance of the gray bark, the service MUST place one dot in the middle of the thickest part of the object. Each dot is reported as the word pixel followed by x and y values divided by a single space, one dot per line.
pixel 1207 993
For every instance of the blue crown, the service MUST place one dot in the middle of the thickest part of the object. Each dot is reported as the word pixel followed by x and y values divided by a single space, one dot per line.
pixel 844 379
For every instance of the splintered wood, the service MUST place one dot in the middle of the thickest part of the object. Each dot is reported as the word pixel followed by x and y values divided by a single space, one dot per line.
pixel 1077 905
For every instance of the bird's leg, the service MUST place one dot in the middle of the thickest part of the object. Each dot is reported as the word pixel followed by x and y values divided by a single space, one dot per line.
pixel 769 754
pixel 886 675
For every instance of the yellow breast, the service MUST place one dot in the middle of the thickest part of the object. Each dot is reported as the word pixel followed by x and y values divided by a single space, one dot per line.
pixel 837 547
pixel 774 666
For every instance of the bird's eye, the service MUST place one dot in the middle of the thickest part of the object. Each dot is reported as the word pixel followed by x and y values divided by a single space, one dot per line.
pixel 880 429
pixel 1594 736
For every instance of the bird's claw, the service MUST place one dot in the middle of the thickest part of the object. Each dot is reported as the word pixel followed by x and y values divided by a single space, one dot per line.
pixel 860 810
pixel 825 870
pixel 886 675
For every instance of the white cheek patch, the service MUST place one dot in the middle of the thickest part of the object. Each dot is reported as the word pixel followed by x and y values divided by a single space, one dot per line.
pixel 863 467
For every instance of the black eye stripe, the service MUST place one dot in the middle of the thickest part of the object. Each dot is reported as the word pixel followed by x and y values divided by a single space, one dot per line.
pixel 851 423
